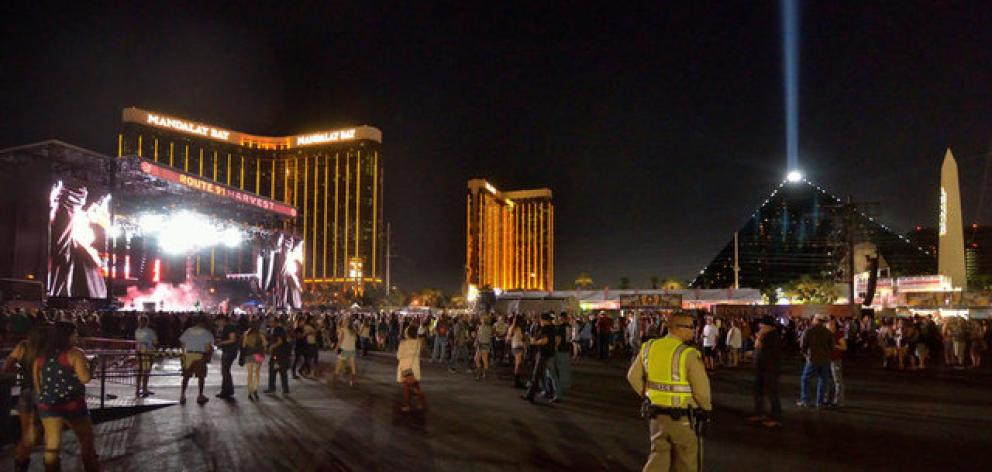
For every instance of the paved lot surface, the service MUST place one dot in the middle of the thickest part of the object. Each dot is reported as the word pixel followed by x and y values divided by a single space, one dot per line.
pixel 894 421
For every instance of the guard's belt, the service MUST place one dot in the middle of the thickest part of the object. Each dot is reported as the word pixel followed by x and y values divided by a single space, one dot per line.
pixel 674 413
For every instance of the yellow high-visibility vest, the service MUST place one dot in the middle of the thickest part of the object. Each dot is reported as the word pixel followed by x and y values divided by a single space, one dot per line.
pixel 666 379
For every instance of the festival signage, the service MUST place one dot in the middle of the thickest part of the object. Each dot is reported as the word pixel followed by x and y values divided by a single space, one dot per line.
pixel 657 301
pixel 217 189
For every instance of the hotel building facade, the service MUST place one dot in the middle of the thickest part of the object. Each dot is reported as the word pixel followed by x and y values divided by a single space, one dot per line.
pixel 334 179
pixel 510 238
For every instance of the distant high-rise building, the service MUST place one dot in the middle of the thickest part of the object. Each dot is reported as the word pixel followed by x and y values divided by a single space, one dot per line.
pixel 333 178
pixel 978 254
pixel 510 238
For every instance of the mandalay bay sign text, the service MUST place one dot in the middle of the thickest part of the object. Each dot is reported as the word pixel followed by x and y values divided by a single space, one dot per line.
pixel 189 127
pixel 266 142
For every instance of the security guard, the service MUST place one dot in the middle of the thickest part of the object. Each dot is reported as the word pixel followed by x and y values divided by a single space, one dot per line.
pixel 671 378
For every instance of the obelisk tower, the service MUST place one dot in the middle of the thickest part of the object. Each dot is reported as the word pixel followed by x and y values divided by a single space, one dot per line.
pixel 950 230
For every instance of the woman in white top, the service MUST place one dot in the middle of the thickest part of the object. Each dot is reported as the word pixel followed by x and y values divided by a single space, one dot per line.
pixel 346 350
pixel 408 369
pixel 734 343
pixel 517 345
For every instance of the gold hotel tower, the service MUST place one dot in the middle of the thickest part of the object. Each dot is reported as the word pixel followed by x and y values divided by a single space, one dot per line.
pixel 333 178
pixel 511 238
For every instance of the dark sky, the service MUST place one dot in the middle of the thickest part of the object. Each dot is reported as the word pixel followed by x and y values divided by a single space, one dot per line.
pixel 659 128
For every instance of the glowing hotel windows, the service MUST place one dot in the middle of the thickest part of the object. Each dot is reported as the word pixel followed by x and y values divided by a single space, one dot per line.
pixel 510 243
pixel 331 179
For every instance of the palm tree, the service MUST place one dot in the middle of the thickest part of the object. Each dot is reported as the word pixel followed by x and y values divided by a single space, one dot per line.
pixel 654 282
pixel 583 281
pixel 624 282
pixel 811 290
pixel 672 283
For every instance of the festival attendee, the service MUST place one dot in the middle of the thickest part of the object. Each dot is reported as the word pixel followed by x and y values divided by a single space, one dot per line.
pixel 299 343
pixel 633 333
pixel 500 329
pixel 837 365
pixel 441 330
pixel 229 348
pixel 543 359
pixel 958 332
pixel 483 346
pixel 816 344
pixel 280 351
pixel 347 337
pixel 575 337
pixel 364 331
pixel 767 368
pixel 460 351
pixel 145 341
pixel 197 346
pixel 563 361
pixel 976 337
pixel 60 374
pixel 711 333
pixel 925 341
pixel 517 346
pixel 887 340
pixel 21 361
pixel 735 343
pixel 586 336
pixel 253 346
pixel 603 326
pixel 408 369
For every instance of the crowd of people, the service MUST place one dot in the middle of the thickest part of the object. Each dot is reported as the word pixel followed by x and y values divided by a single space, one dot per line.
pixel 537 348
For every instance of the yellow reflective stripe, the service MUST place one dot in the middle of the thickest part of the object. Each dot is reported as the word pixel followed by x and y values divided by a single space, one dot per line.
pixel 646 354
pixel 677 365
pixel 668 388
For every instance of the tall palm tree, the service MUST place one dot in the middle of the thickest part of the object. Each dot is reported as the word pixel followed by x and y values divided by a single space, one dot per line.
pixel 672 283
pixel 583 281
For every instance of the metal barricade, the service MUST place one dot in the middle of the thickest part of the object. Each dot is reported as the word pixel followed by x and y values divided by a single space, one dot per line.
pixel 123 367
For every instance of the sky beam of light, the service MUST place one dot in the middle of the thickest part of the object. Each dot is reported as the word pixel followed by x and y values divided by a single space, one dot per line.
pixel 790 76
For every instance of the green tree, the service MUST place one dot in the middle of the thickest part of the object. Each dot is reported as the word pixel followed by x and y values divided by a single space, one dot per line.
pixel 809 290
pixel 624 282
pixel 981 282
pixel 770 295
pixel 655 281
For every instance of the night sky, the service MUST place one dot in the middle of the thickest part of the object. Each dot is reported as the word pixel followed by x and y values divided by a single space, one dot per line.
pixel 659 128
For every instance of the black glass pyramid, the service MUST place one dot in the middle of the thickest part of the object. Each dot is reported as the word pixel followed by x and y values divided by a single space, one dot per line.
pixel 799 231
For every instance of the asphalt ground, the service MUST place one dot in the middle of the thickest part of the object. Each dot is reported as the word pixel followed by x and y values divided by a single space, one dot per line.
pixel 935 420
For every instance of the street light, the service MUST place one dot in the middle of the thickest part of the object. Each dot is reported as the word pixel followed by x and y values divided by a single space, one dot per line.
pixel 794 176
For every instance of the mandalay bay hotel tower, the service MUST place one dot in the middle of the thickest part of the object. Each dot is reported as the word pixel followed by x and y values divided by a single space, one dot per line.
pixel 511 238
pixel 332 177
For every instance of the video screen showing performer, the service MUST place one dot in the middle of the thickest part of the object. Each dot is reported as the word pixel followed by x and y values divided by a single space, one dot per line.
pixel 280 266
pixel 79 220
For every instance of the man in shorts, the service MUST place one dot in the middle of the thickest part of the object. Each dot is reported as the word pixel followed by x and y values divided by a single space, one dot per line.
pixel 711 334
pixel 198 344
pixel 483 343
